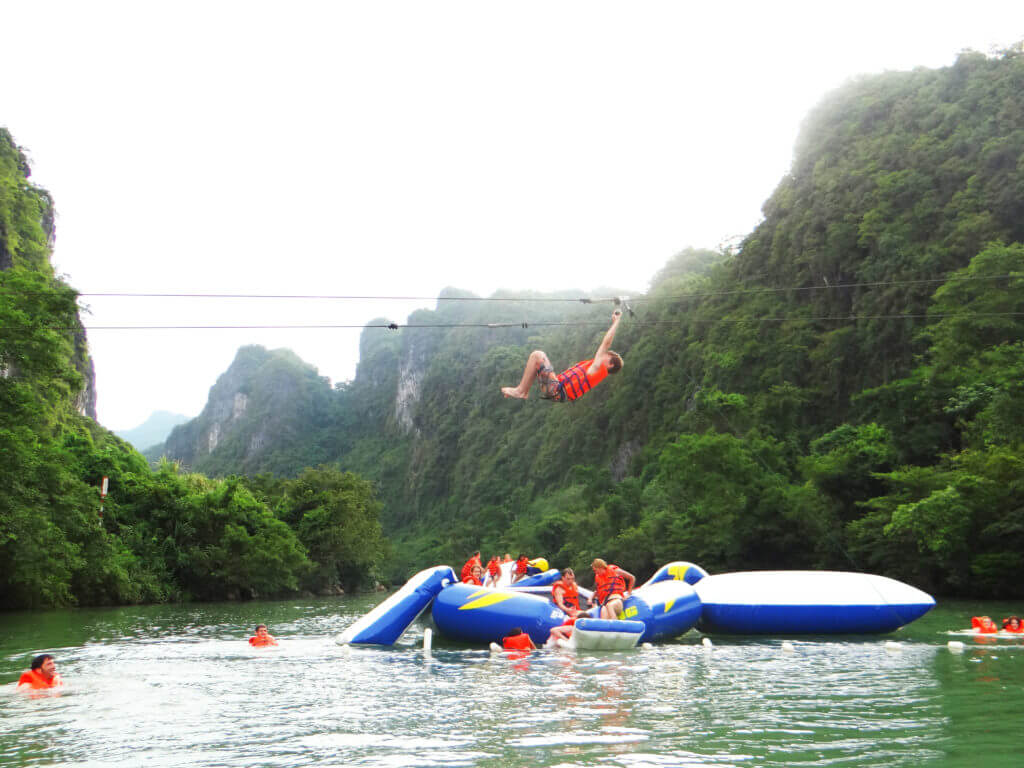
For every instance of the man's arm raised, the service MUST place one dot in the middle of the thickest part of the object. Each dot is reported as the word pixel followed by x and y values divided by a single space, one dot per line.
pixel 606 343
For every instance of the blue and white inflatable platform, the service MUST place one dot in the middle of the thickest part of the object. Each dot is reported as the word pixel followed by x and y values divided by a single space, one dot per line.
pixel 807 602
pixel 676 598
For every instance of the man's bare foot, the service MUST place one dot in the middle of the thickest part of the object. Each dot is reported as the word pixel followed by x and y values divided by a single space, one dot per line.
pixel 512 392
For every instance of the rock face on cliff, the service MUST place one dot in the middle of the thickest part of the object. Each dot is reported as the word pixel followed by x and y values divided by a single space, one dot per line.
pixel 27 233
pixel 263 414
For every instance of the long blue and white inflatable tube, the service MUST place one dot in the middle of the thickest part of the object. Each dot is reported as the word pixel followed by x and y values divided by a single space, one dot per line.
pixel 807 602
pixel 386 623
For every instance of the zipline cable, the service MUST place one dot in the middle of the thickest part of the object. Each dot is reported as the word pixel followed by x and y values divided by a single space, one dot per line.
pixel 523 324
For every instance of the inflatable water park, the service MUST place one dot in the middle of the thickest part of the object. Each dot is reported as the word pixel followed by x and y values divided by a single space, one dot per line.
pixel 680 596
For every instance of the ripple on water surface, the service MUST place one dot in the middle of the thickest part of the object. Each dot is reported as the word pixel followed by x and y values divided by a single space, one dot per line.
pixel 176 686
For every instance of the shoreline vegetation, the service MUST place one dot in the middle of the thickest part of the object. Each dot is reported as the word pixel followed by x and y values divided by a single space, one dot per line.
pixel 844 390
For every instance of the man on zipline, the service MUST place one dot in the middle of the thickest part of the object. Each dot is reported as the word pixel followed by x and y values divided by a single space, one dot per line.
pixel 574 382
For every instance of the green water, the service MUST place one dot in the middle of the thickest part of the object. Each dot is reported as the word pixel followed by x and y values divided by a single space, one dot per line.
pixel 177 686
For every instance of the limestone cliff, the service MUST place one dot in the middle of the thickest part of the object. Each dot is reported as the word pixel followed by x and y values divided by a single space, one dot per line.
pixel 27 233
pixel 263 414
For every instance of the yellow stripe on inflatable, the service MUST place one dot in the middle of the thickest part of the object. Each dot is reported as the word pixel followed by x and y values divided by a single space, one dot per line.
pixel 679 572
pixel 491 598
pixel 669 604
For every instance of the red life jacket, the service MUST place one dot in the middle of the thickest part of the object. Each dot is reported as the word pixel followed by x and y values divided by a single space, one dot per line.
pixel 259 642
pixel 1008 628
pixel 575 382
pixel 520 642
pixel 471 579
pixel 522 565
pixel 467 569
pixel 492 566
pixel 570 595
pixel 609 583
pixel 983 624
pixel 36 680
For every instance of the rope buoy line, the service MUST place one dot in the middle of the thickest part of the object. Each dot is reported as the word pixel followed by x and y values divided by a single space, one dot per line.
pixel 522 324
pixel 538 299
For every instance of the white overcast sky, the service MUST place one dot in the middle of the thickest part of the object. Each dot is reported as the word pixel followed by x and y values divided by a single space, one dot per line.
pixel 395 148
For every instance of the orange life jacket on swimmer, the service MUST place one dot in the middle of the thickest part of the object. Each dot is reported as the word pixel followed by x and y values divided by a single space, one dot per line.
pixel 260 642
pixel 520 642
pixel 492 567
pixel 522 564
pixel 983 624
pixel 575 382
pixel 609 583
pixel 471 579
pixel 570 595
pixel 1008 628
pixel 36 680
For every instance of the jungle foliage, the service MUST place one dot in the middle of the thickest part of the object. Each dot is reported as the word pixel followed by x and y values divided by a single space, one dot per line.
pixel 843 390
pixel 163 534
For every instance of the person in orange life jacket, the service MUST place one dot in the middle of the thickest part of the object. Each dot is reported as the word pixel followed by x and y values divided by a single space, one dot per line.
pixel 1013 624
pixel 42 674
pixel 493 572
pixel 573 382
pixel 474 576
pixel 610 588
pixel 517 640
pixel 467 569
pixel 262 639
pixel 520 569
pixel 983 624
pixel 565 594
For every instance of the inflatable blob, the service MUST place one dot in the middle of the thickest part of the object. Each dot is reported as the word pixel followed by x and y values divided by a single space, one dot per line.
pixel 482 615
pixel 807 602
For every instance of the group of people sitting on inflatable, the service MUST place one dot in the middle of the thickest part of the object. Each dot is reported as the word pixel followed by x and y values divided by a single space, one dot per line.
pixel 612 586
pixel 985 626
pixel 473 571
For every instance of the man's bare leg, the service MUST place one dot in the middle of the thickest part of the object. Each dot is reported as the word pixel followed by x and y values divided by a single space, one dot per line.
pixel 612 609
pixel 534 363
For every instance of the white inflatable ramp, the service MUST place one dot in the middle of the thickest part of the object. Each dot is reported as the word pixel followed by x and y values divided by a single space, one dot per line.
pixel 386 623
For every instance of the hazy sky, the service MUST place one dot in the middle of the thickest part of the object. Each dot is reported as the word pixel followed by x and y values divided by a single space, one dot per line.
pixel 395 148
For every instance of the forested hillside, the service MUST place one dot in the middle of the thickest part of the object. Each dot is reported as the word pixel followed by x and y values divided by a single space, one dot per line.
pixel 841 391
pixel 161 535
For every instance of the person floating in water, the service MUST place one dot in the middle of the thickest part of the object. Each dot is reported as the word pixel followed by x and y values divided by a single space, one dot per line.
pixel 517 640
pixel 262 639
pixel 983 624
pixel 1013 624
pixel 574 382
pixel 41 675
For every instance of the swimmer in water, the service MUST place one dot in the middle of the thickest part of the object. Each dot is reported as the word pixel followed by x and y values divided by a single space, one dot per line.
pixel 262 638
pixel 41 675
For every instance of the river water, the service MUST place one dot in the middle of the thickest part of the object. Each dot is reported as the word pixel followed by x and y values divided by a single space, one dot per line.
pixel 179 686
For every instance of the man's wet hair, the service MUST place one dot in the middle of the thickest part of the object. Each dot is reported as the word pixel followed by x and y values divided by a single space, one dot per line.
pixel 258 627
pixel 38 661
pixel 615 362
